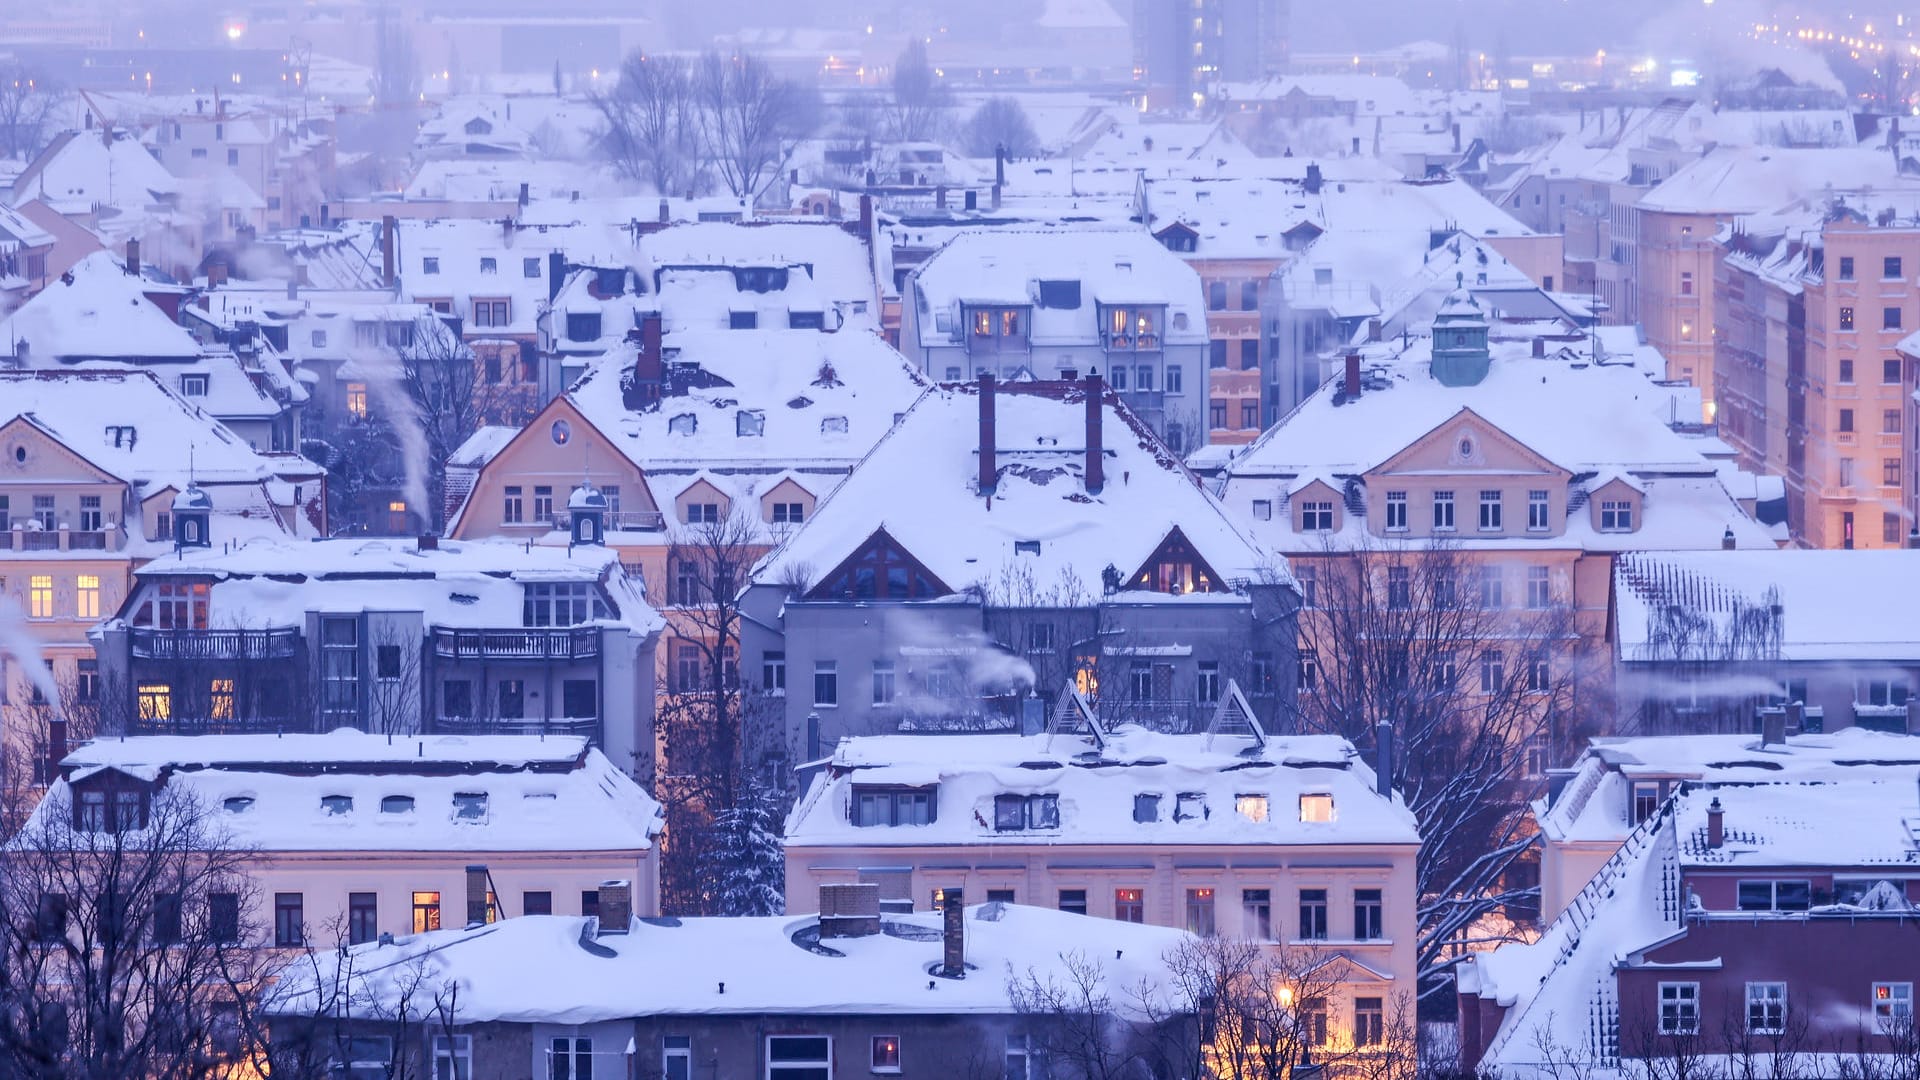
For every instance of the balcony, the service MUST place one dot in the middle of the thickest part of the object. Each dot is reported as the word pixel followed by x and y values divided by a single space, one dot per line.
pixel 19 538
pixel 564 644
pixel 587 726
pixel 216 644
pixel 622 521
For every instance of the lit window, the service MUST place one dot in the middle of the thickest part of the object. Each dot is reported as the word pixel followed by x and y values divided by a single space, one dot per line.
pixel 1316 808
pixel 1893 1004
pixel 426 916
pixel 220 699
pixel 87 596
pixel 40 596
pixel 886 1054
pixel 357 400
pixel 1251 807
pixel 155 701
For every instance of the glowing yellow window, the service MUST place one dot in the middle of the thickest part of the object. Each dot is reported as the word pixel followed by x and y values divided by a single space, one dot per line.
pixel 156 701
pixel 1251 807
pixel 220 699
pixel 40 596
pixel 1316 808
pixel 87 596
pixel 357 400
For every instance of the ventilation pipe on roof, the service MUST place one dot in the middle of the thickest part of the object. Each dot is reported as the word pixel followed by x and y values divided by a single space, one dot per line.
pixel 133 255
pixel 1726 539
pixel 1383 759
pixel 1539 348
pixel 1716 824
pixel 1373 329
pixel 989 467
pixel 56 745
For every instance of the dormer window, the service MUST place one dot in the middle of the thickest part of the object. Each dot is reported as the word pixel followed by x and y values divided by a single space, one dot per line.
pixel 396 804
pixel 237 804
pixel 874 806
pixel 833 425
pixel 335 805
pixel 1316 808
pixel 1146 809
pixel 489 264
pixel 748 423
pixel 430 264
pixel 1189 805
pixel 470 806
pixel 193 386
pixel 1251 807
pixel 742 320
pixel 1017 813
pixel 806 320
pixel 683 424
pixel 99 810
pixel 1616 515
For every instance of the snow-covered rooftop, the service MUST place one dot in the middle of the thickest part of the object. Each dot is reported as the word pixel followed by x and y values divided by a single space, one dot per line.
pixel 553 969
pixel 96 311
pixel 1213 789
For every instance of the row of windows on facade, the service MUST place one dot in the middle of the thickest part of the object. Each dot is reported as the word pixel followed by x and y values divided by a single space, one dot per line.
pixel 786 1057
pixel 1217 414
pixel 489 264
pixel 86 686
pixel 1766 1007
pixel 155 701
pixel 41 597
pixel 1314 515
pixel 1147 682
pixel 1889 371
pixel 1041 812
pixel 182 605
pixel 1120 328
pixel 1121 377
pixel 1890 268
pixel 44 513
pixel 1442 586
pixel 1443 671
pixel 1217 350
pixel 1890 477
pixel 1200 910
pixel 751 423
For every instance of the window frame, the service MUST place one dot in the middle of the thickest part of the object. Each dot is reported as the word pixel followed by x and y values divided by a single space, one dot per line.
pixel 458 1056
pixel 1683 1018
pixel 1763 1005
pixel 778 1070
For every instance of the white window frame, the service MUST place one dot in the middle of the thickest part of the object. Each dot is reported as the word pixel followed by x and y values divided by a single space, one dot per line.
pixel 873 1055
pixel 778 1070
pixel 1895 1011
pixel 1684 994
pixel 1396 511
pixel 450 1057
pixel 572 1055
pixel 1767 996
pixel 356 1067
pixel 676 1048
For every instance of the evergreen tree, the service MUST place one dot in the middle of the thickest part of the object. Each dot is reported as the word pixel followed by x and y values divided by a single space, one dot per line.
pixel 746 849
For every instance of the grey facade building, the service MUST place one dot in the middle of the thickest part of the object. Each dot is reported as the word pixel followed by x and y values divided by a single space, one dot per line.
pixel 1002 543
pixel 390 636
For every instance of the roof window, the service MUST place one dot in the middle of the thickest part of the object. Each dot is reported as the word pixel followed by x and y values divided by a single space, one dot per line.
pixel 1189 805
pixel 469 806
pixel 1251 807
pixel 1146 808
pixel 237 804
pixel 397 804
pixel 684 424
pixel 333 805
pixel 1316 808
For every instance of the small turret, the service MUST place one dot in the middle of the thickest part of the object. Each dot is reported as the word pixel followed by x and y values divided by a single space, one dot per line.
pixel 1460 352
pixel 588 509
pixel 192 518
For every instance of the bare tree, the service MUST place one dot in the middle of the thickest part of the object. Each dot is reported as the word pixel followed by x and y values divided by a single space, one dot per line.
pixel 751 119
pixel 1000 123
pixel 1472 677
pixel 1072 1020
pixel 1264 1010
pixel 335 1005
pixel 27 99
pixel 126 946
pixel 652 124
pixel 920 101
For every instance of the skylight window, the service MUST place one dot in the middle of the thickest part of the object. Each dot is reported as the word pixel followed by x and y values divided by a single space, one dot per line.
pixel 1251 807
pixel 237 804
pixel 469 806
pixel 1146 809
pixel 1316 808
pixel 833 425
pixel 1189 805
pixel 684 424
pixel 397 804
pixel 334 805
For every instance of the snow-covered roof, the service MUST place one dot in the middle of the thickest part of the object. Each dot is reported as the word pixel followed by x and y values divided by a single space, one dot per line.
pixel 1594 804
pixel 1750 179
pixel 806 397
pixel 553 969
pixel 1006 266
pixel 280 794
pixel 920 485
pixel 1207 786
pixel 96 311
pixel 1821 616
pixel 84 170
pixel 466 583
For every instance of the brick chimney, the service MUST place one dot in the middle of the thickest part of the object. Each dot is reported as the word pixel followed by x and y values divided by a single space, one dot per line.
pixel 849 910
pixel 989 466
pixel 1383 759
pixel 133 255
pixel 1773 728
pixel 1727 541
pixel 953 935
pixel 1716 824
pixel 477 895
pixel 56 746
pixel 616 907
pixel 1096 444
pixel 1795 714
pixel 388 226
pixel 1352 384
pixel 647 362
pixel 1539 348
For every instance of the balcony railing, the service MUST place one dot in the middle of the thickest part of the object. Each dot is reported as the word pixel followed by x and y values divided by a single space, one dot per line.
pixel 624 521
pixel 216 644
pixel 493 725
pixel 24 539
pixel 565 643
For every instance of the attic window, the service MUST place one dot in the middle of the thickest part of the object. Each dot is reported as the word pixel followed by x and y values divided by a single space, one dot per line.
pixel 430 264
pixel 749 422
pixel 489 264
pixel 1026 547
pixel 800 402
pixel 1251 807
pixel 1316 808
pixel 463 598
pixel 833 425
pixel 121 435
pixel 469 806
pixel 1189 805
pixel 1060 294
pixel 1146 809
pixel 540 796
pixel 333 805
pixel 684 424
pixel 237 804
pixel 397 804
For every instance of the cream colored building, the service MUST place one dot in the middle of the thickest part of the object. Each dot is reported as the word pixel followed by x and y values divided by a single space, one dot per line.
pixel 350 836
pixel 1285 840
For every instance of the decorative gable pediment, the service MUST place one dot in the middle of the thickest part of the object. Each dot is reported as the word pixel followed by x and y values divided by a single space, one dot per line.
pixel 1175 567
pixel 879 569
pixel 1466 442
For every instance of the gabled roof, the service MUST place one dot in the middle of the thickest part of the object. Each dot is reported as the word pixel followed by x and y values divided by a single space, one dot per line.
pixel 96 311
